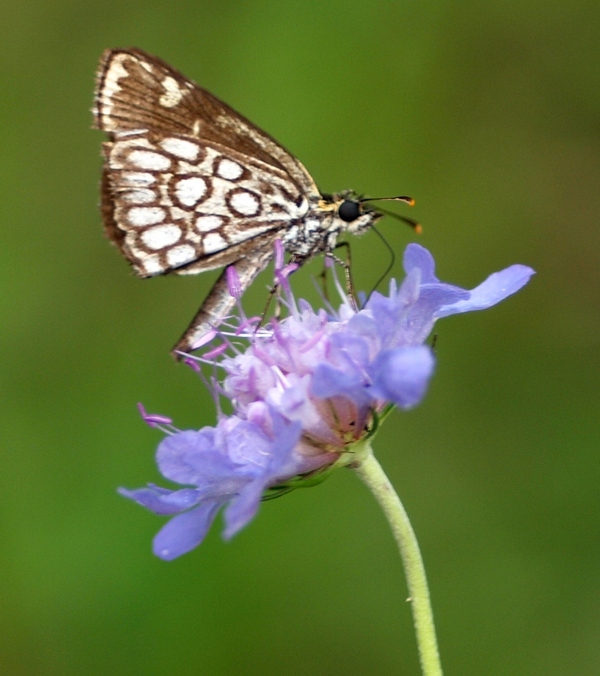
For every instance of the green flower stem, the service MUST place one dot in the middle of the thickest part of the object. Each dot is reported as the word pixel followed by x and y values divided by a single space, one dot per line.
pixel 371 473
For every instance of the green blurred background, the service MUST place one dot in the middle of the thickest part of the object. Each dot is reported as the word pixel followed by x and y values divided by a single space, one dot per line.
pixel 489 114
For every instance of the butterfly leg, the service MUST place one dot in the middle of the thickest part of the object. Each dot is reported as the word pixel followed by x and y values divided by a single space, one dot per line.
pixel 273 293
pixel 347 267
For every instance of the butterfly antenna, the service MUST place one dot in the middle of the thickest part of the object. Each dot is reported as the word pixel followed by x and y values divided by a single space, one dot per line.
pixel 415 225
pixel 400 198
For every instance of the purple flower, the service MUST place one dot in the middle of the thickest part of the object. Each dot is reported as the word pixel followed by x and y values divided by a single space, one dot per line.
pixel 231 463
pixel 305 390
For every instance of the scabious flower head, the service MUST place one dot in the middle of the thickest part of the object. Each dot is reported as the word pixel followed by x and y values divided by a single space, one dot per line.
pixel 304 391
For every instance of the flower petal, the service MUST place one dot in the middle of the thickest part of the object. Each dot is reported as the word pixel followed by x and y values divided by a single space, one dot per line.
pixel 296 404
pixel 401 375
pixel 163 501
pixel 332 382
pixel 407 316
pixel 496 287
pixel 279 461
pixel 242 509
pixel 185 531
pixel 247 445
pixel 192 457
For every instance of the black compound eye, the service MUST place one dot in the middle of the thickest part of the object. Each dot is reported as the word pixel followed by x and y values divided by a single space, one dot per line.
pixel 349 211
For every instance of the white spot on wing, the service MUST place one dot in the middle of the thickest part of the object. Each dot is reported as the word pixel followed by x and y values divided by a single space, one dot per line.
pixel 140 196
pixel 124 133
pixel 173 93
pixel 180 255
pixel 146 159
pixel 151 265
pixel 208 223
pixel 190 190
pixel 182 148
pixel 245 203
pixel 141 216
pixel 161 236
pixel 213 242
pixel 229 170
pixel 136 178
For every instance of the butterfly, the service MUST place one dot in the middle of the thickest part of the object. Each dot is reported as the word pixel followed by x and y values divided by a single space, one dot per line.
pixel 191 185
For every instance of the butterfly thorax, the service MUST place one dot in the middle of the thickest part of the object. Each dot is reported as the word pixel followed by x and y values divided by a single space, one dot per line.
pixel 324 222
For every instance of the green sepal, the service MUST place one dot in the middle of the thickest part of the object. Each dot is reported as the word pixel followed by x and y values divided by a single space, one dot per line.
pixel 307 480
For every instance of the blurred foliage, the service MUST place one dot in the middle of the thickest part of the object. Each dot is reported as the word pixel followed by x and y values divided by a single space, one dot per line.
pixel 489 114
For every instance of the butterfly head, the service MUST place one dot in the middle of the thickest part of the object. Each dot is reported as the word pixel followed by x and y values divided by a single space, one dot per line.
pixel 355 216
pixel 350 212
